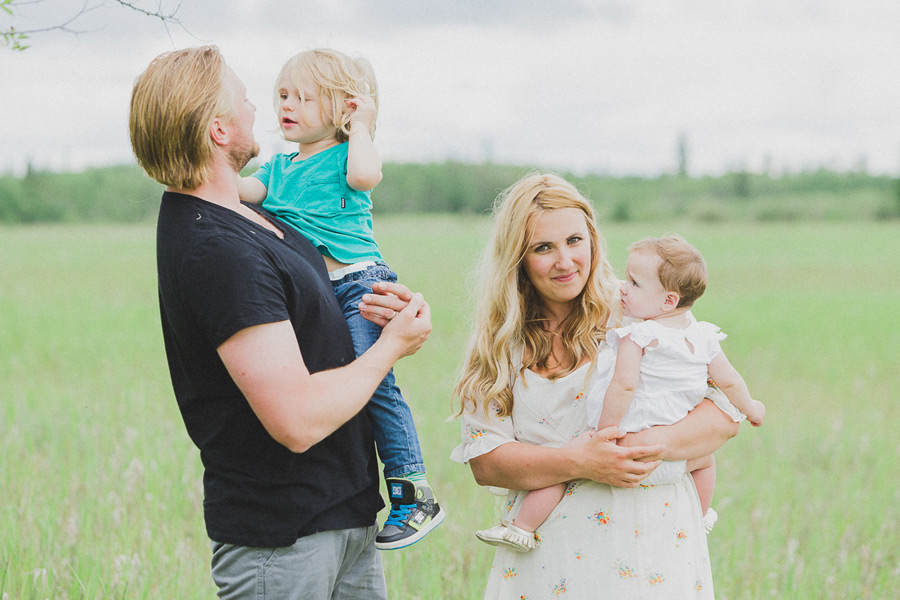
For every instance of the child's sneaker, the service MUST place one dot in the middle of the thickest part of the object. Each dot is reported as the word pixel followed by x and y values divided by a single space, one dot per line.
pixel 413 514
pixel 507 536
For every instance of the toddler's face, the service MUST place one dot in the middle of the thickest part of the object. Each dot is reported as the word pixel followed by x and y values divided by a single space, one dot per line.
pixel 643 296
pixel 301 115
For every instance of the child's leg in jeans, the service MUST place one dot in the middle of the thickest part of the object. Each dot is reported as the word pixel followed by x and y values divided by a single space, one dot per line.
pixel 703 470
pixel 392 421
pixel 537 506
pixel 414 510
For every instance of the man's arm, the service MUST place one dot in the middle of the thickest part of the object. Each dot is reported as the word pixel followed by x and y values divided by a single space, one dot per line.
pixel 266 364
pixel 701 432
pixel 526 467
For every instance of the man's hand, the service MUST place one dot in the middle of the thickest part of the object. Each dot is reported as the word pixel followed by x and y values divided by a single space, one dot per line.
pixel 387 300
pixel 409 327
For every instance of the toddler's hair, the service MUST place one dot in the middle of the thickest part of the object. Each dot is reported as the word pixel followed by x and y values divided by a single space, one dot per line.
pixel 682 269
pixel 339 78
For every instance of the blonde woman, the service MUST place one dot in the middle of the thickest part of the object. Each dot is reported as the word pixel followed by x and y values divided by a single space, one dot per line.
pixel 538 345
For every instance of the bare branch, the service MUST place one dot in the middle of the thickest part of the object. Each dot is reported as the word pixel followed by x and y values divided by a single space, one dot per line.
pixel 14 38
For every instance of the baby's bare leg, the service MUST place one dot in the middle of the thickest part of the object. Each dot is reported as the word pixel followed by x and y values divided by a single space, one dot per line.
pixel 703 470
pixel 538 505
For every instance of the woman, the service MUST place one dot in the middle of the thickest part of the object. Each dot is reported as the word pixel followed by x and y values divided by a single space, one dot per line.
pixel 538 346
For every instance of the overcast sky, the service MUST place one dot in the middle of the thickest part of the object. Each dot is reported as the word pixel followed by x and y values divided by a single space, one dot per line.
pixel 586 85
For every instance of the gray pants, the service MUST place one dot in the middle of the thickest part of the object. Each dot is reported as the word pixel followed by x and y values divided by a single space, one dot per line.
pixel 330 565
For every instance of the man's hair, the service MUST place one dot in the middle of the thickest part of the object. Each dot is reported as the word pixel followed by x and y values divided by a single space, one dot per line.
pixel 681 268
pixel 172 105
pixel 338 76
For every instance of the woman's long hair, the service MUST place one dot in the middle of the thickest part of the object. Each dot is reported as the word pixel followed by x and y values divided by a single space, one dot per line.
pixel 510 312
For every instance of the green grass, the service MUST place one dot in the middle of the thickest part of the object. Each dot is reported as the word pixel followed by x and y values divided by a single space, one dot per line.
pixel 100 491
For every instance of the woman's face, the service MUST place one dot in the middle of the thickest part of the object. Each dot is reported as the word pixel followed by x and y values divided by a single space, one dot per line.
pixel 558 257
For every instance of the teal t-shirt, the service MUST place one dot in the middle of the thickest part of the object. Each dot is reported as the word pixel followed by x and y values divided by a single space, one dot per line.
pixel 313 197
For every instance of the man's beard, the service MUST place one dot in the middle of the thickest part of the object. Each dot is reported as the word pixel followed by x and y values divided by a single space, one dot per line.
pixel 241 154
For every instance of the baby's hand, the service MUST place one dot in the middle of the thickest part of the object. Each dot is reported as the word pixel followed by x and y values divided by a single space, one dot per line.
pixel 363 112
pixel 756 413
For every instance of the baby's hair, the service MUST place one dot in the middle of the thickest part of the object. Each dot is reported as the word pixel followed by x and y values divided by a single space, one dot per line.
pixel 681 270
pixel 339 78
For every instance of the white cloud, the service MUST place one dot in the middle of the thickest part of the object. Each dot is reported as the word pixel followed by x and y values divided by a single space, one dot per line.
pixel 582 84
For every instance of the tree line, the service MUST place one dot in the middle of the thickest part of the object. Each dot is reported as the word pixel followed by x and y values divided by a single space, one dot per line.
pixel 124 194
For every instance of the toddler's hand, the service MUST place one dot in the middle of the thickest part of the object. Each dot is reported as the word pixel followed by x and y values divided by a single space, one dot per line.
pixel 756 413
pixel 363 112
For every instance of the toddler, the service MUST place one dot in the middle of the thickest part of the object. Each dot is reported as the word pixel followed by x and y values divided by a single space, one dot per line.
pixel 326 103
pixel 663 364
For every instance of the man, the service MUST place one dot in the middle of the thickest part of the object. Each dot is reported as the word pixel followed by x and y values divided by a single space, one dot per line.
pixel 261 360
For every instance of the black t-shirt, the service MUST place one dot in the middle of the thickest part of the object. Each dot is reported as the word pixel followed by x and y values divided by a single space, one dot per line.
pixel 220 273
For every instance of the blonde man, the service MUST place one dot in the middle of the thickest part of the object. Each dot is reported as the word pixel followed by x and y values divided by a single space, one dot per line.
pixel 261 360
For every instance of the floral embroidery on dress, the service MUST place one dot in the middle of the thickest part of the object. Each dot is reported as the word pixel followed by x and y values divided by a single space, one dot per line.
pixel 509 572
pixel 578 398
pixel 625 571
pixel 474 434
pixel 579 555
pixel 655 579
pixel 560 588
pixel 537 538
pixel 601 517
pixel 680 536
pixel 698 586
pixel 570 489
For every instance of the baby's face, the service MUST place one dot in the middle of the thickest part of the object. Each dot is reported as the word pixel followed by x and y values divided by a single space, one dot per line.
pixel 643 296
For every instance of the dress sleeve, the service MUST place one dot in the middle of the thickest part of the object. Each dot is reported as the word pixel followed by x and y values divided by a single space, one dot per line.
pixel 482 433
pixel 641 334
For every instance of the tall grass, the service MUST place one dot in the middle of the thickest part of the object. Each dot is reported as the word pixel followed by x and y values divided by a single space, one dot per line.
pixel 100 487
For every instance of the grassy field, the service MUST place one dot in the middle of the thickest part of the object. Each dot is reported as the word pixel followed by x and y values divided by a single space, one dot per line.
pixel 100 487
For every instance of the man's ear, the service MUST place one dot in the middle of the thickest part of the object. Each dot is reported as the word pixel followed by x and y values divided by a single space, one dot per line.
pixel 671 301
pixel 218 131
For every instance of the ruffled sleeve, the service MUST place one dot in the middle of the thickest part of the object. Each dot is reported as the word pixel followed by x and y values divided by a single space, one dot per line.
pixel 706 336
pixel 642 333
pixel 482 433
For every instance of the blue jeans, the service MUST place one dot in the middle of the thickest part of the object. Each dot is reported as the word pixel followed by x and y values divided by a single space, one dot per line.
pixel 330 565
pixel 392 421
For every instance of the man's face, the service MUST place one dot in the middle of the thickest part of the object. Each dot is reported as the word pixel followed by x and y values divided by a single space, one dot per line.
pixel 243 146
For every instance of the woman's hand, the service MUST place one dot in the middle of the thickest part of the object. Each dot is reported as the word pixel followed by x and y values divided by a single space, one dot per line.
pixel 387 300
pixel 600 458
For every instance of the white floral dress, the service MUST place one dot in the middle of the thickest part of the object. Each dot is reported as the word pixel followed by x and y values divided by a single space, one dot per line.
pixel 600 541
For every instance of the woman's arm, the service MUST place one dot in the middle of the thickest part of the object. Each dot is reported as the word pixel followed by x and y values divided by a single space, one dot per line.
pixel 525 467
pixel 701 432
